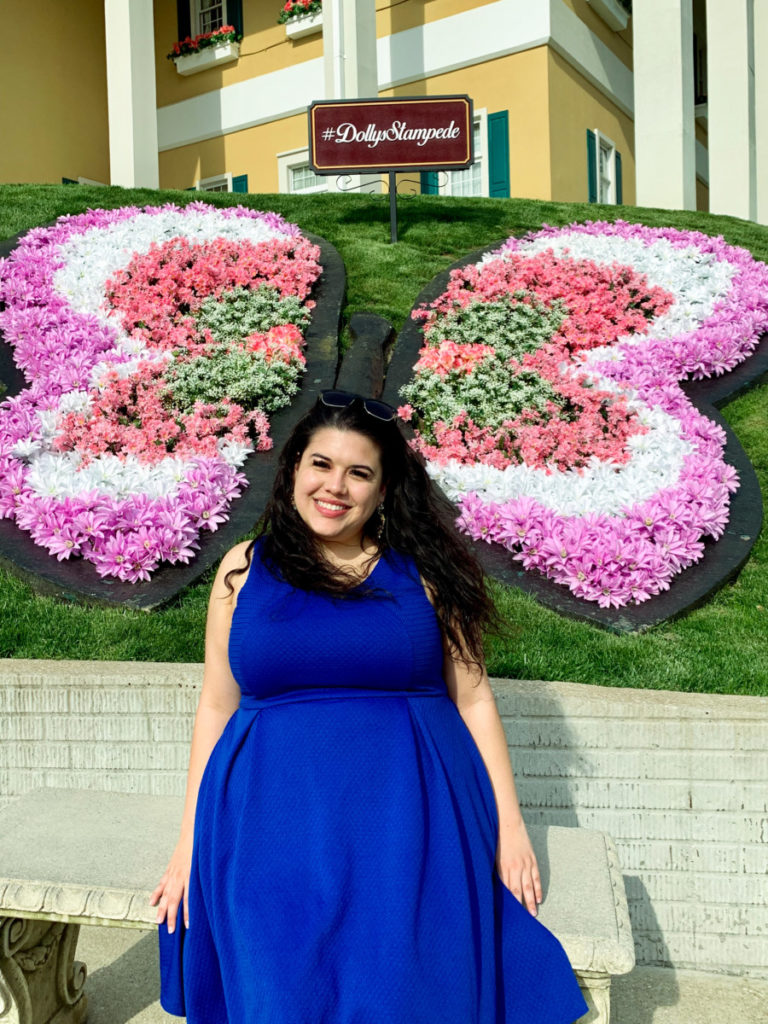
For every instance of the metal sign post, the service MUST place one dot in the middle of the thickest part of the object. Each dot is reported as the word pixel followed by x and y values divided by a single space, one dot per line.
pixel 392 207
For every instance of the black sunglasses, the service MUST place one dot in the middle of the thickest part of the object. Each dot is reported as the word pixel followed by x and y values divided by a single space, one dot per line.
pixel 343 399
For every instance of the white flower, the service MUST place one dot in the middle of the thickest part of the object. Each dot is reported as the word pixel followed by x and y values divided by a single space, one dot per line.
pixel 62 474
pixel 697 280
pixel 90 259
pixel 26 448
pixel 49 422
pixel 233 453
pixel 601 487
pixel 74 401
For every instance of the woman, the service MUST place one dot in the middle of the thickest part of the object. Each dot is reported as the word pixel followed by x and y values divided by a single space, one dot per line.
pixel 350 789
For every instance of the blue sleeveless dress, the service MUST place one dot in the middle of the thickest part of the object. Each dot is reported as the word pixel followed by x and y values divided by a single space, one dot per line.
pixel 345 833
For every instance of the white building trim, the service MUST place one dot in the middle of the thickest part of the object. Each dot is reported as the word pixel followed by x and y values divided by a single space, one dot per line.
pixel 589 55
pixel 665 126
pixel 761 109
pixel 349 49
pixel 256 101
pixel 131 96
pixel 731 103
pixel 702 162
pixel 462 40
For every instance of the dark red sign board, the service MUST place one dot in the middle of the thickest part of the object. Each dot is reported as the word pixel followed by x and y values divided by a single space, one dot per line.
pixel 403 134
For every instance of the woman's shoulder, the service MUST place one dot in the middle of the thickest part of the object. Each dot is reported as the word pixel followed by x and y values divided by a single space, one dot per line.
pixel 237 557
pixel 234 569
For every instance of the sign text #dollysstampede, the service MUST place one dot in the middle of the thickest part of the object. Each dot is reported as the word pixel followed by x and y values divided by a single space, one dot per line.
pixel 402 134
pixel 398 130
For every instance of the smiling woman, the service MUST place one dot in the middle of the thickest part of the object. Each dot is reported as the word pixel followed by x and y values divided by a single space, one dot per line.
pixel 347 742
pixel 337 488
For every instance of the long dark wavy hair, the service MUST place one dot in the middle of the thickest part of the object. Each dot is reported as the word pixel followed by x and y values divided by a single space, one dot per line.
pixel 418 522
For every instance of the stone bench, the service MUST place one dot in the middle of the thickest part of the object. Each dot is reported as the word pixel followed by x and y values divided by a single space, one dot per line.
pixel 71 857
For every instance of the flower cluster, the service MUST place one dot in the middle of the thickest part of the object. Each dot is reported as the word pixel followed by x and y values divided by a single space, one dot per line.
pixel 155 342
pixel 293 9
pixel 611 483
pixel 193 44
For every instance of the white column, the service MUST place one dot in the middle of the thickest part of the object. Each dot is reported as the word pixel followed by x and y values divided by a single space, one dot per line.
pixel 665 137
pixel 131 96
pixel 731 108
pixel 761 109
pixel 351 68
pixel 349 46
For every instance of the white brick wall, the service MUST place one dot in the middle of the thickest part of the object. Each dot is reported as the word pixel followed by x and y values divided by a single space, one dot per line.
pixel 679 780
pixel 681 783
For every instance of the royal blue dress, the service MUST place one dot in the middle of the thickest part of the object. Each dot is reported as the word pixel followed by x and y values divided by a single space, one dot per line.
pixel 345 833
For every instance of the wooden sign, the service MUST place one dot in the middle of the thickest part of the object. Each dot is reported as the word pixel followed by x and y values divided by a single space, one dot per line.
pixel 403 134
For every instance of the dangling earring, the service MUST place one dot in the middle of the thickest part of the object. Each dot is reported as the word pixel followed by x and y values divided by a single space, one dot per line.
pixel 382 522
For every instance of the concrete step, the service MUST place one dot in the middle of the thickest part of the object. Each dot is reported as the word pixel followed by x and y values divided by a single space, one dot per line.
pixel 123 983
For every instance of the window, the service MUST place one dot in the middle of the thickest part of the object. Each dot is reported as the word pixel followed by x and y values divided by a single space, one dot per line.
pixel 604 169
pixel 207 16
pixel 469 181
pixel 605 174
pixel 303 179
pixel 295 175
pixel 223 183
pixel 219 183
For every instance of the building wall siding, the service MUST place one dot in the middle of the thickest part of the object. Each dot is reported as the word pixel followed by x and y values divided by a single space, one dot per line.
pixel 265 48
pixel 252 151
pixel 619 42
pixel 575 105
pixel 54 75
pixel 517 83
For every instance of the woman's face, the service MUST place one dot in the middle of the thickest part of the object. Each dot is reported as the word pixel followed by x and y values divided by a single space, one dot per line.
pixel 338 484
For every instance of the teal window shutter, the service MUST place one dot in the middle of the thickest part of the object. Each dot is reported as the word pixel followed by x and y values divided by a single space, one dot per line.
pixel 498 154
pixel 429 184
pixel 619 183
pixel 183 19
pixel 240 183
pixel 592 165
pixel 235 15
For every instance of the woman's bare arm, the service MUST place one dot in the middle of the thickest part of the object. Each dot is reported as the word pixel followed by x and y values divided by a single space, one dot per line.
pixel 219 698
pixel 470 690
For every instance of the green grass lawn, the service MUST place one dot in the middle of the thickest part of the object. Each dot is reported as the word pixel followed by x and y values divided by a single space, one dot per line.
pixel 721 647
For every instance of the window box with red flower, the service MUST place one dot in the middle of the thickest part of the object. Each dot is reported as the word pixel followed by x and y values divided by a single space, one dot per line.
pixel 207 50
pixel 301 17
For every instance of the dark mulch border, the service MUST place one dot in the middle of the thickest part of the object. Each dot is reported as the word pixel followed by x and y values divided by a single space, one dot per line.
pixel 722 560
pixel 77 580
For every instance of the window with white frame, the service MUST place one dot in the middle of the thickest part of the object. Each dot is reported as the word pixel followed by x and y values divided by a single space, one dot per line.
pixel 219 183
pixel 606 169
pixel 207 15
pixel 470 181
pixel 295 175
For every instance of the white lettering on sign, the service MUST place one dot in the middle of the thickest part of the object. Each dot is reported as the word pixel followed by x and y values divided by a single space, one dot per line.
pixel 397 132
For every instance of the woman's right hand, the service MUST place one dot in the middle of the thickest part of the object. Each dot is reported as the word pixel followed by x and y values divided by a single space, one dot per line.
pixel 173 888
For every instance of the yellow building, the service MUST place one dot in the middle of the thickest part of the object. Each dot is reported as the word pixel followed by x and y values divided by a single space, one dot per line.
pixel 559 114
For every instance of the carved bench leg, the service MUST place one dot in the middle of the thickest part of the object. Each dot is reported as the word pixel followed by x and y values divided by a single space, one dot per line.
pixel 596 989
pixel 40 982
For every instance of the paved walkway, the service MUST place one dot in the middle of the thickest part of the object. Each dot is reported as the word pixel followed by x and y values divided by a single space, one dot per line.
pixel 123 980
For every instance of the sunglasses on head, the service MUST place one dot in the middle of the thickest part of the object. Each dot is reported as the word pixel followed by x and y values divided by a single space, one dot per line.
pixel 342 399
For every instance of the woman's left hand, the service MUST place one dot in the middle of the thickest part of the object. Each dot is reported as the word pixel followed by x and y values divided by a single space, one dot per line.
pixel 517 866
